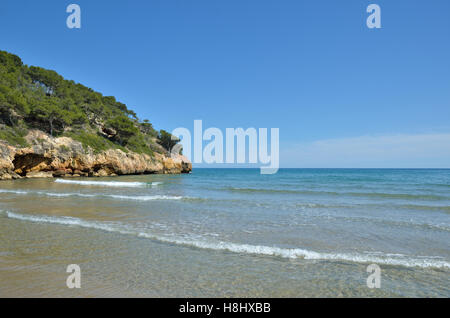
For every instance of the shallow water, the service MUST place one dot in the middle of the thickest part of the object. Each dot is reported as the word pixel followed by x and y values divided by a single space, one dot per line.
pixel 229 232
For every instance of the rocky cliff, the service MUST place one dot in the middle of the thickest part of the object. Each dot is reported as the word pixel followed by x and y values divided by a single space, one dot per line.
pixel 64 157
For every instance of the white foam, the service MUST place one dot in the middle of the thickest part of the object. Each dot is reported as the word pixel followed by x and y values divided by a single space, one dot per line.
pixel 66 220
pixel 65 195
pixel 49 194
pixel 145 197
pixel 113 196
pixel 13 191
pixel 295 253
pixel 108 183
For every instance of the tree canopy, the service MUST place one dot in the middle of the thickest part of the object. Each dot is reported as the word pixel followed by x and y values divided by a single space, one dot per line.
pixel 167 140
pixel 34 97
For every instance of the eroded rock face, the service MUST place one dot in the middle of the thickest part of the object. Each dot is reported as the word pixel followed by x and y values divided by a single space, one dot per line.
pixel 65 157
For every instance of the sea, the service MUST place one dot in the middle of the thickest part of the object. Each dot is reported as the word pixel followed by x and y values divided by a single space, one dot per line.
pixel 229 233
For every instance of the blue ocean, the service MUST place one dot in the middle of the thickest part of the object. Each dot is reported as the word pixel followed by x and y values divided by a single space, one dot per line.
pixel 230 233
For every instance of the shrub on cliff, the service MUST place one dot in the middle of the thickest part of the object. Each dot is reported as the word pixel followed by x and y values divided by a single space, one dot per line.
pixel 167 140
pixel 14 136
pixel 124 127
pixel 12 105
pixel 50 115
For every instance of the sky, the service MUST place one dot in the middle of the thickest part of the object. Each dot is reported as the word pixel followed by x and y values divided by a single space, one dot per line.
pixel 341 94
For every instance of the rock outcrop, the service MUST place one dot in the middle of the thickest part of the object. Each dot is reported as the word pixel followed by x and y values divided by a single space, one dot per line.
pixel 64 157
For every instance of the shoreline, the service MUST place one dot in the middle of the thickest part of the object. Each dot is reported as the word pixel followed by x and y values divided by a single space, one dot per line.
pixel 50 157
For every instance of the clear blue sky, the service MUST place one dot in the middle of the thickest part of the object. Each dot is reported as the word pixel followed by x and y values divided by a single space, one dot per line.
pixel 311 68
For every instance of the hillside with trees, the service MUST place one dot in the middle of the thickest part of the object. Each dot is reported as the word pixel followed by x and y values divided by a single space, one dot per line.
pixel 36 98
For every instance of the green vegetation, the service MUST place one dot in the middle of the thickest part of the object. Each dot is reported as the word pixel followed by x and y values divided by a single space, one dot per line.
pixel 14 136
pixel 96 142
pixel 33 97
pixel 167 140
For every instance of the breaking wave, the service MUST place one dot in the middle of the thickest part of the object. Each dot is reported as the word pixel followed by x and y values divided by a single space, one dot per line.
pixel 294 253
pixel 109 183
pixel 146 197
pixel 84 195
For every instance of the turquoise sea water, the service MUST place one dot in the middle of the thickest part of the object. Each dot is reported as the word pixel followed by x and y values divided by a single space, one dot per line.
pixel 229 232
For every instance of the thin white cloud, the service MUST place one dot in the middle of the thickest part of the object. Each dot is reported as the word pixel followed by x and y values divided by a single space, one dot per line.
pixel 394 151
